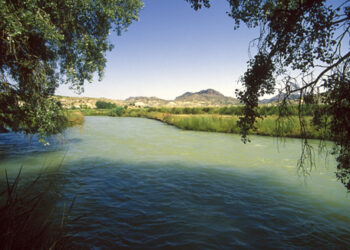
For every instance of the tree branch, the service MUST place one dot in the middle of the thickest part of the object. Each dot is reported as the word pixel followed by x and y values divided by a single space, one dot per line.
pixel 322 73
pixel 341 20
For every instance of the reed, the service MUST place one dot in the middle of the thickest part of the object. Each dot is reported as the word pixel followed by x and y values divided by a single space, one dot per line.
pixel 224 120
pixel 237 110
pixel 204 123
pixel 95 112
pixel 269 126
pixel 28 219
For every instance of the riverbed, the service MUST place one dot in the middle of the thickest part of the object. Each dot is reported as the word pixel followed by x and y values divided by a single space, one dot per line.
pixel 140 183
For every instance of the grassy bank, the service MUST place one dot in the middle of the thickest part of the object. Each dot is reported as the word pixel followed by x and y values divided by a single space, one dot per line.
pixel 237 110
pixel 269 126
pixel 223 119
pixel 211 123
pixel 96 112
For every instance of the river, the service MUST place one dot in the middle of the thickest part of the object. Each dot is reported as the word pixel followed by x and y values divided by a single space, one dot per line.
pixel 140 183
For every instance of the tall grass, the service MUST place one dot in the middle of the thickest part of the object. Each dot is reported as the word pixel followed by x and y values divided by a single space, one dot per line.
pixel 269 126
pixel 233 110
pixel 96 112
pixel 224 119
pixel 272 126
pixel 28 219
pixel 237 110
pixel 204 123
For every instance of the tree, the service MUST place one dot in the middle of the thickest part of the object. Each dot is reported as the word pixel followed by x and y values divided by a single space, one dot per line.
pixel 303 47
pixel 47 43
pixel 118 111
pixel 105 105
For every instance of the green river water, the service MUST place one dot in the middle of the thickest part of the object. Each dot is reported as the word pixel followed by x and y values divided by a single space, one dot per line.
pixel 142 184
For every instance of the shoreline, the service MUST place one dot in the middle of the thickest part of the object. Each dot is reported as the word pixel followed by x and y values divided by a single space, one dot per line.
pixel 287 128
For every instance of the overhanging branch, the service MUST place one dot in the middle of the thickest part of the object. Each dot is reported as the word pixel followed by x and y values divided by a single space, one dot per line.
pixel 322 74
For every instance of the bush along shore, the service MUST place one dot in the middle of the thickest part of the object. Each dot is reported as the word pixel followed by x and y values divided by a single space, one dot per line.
pixel 223 119
pixel 74 118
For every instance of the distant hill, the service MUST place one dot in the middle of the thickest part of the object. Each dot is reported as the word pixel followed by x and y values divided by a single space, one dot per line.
pixel 208 97
pixel 203 94
pixel 84 102
pixel 279 97
pixel 203 98
pixel 146 101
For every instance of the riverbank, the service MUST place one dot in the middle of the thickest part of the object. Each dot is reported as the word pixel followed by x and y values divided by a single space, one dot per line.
pixel 74 118
pixel 216 120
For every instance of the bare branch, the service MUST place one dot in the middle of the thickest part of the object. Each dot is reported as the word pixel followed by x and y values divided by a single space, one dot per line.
pixel 323 73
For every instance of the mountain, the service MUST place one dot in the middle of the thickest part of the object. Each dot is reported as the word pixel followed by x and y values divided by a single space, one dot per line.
pixel 203 98
pixel 279 97
pixel 146 101
pixel 208 97
pixel 204 93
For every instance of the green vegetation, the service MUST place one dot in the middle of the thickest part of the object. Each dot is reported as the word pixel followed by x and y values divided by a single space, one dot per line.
pixel 269 126
pixel 118 111
pixel 28 219
pixel 204 123
pixel 96 112
pixel 263 110
pixel 46 43
pixel 105 105
pixel 47 118
pixel 224 119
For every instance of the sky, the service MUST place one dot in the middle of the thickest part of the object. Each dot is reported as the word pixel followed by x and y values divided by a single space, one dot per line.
pixel 173 49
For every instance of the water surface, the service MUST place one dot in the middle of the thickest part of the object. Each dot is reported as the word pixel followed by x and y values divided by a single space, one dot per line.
pixel 142 184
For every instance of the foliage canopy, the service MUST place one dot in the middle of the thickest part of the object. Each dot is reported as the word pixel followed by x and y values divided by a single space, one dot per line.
pixel 47 43
pixel 303 48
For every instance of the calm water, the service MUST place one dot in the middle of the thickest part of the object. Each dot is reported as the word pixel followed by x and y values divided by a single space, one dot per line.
pixel 142 184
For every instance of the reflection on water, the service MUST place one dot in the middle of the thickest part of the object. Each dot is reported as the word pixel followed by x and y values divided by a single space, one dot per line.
pixel 140 183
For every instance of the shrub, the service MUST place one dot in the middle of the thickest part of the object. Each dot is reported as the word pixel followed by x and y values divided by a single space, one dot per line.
pixel 105 105
pixel 118 111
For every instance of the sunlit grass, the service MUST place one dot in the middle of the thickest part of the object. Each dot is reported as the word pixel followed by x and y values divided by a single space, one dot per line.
pixel 221 120
pixel 212 123
pixel 95 112
pixel 269 126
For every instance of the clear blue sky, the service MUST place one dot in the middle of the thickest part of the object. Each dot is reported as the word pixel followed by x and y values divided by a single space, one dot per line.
pixel 173 49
